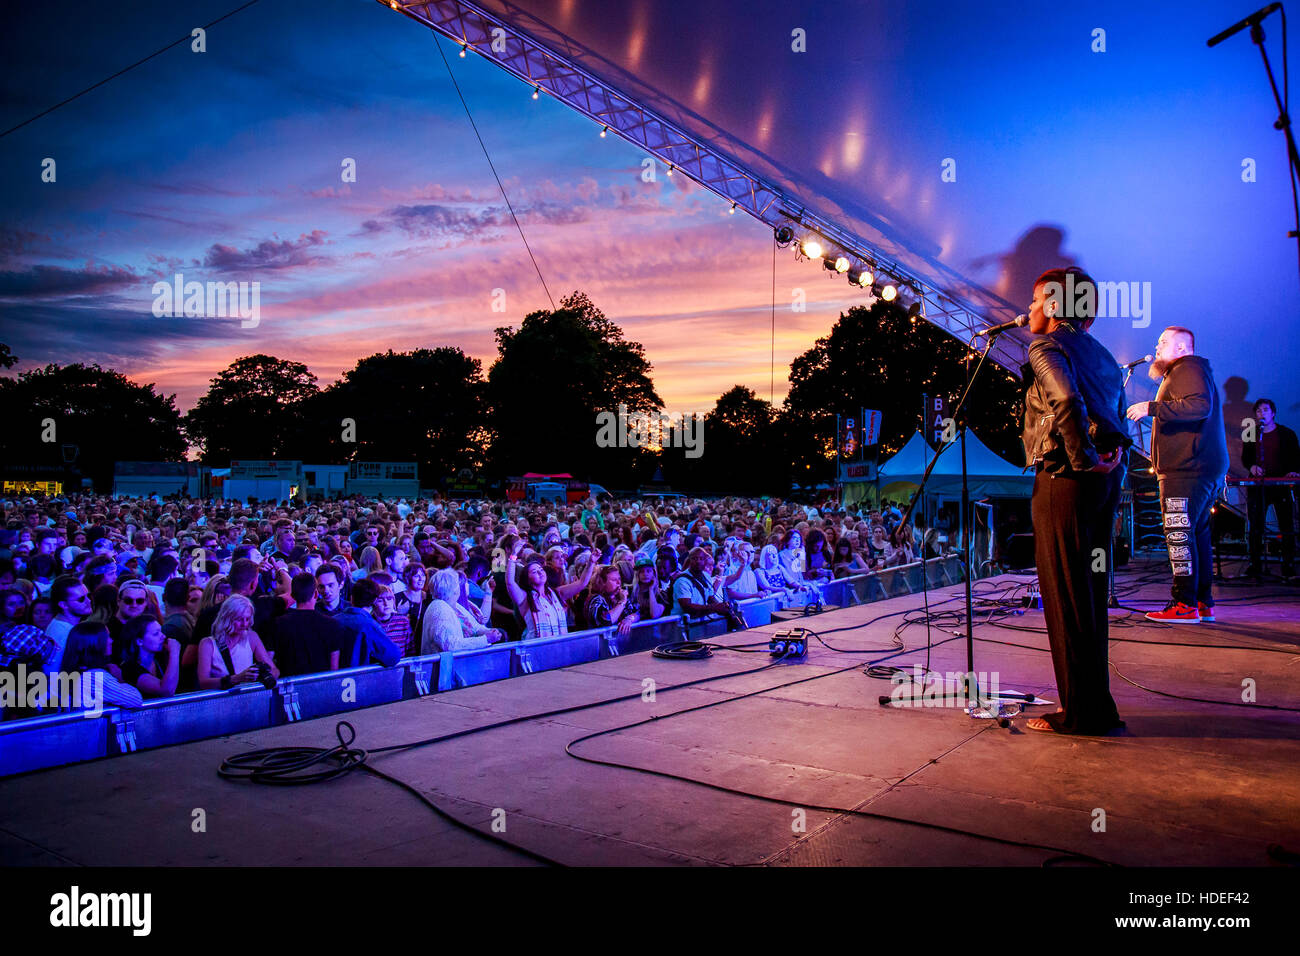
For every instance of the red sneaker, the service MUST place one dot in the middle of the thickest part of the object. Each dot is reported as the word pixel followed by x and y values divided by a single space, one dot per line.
pixel 1206 612
pixel 1176 613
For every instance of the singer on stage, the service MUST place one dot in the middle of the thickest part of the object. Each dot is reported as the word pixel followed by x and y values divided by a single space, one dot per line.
pixel 1189 452
pixel 1075 438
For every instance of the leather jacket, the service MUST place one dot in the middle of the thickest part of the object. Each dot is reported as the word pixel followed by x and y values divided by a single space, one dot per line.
pixel 1074 404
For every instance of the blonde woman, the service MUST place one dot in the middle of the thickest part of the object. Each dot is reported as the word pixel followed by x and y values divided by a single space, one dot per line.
pixel 370 562
pixel 216 591
pixel 231 654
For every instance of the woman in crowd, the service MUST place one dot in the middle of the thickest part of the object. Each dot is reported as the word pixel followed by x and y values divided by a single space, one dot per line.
pixel 369 563
pixel 542 609
pixel 444 627
pixel 887 555
pixel 818 557
pixel 414 596
pixel 847 560
pixel 230 655
pixel 89 651
pixel 606 600
pixel 772 576
pixel 792 556
pixel 151 662
pixel 216 591
pixel 648 594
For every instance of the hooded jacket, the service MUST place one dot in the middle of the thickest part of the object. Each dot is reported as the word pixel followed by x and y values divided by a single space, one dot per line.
pixel 1187 434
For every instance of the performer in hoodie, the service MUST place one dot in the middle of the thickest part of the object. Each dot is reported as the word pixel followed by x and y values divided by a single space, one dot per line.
pixel 1189 452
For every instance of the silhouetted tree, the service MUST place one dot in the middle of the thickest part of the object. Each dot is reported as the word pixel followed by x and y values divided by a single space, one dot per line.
pixel 877 358
pixel 551 377
pixel 253 409
pixel 426 405
pixel 88 417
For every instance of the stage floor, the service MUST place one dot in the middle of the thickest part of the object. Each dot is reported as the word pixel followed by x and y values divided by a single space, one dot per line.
pixel 1189 783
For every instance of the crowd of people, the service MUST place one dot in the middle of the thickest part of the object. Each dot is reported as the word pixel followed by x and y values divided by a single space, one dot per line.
pixel 155 598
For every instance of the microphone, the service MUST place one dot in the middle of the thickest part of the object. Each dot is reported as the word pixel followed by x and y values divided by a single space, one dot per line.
pixel 1250 21
pixel 1136 362
pixel 1018 322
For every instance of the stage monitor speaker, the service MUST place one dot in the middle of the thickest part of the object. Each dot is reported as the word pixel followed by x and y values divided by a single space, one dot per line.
pixel 1019 552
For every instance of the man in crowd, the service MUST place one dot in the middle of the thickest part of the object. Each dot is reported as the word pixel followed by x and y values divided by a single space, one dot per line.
pixel 71 604
pixel 307 641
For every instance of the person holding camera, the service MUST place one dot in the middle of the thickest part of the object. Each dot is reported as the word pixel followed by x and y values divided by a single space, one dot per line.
pixel 233 653
pixel 696 592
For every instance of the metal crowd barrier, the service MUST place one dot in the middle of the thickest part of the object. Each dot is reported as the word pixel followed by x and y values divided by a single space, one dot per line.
pixel 40 742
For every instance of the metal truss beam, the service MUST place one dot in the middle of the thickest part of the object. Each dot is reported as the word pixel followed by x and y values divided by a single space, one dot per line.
pixel 554 74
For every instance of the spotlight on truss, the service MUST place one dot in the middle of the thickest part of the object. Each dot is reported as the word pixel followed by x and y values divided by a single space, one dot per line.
pixel 812 248
pixel 862 277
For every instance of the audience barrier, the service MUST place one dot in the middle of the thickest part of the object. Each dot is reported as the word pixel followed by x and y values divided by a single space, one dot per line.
pixel 40 742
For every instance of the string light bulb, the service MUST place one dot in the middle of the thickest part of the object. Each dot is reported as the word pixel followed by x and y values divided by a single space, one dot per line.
pixel 536 91
pixel 463 47
pixel 603 131
pixel 732 210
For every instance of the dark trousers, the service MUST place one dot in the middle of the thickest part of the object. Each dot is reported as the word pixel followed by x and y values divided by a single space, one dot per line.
pixel 1074 514
pixel 1258 500
pixel 1185 510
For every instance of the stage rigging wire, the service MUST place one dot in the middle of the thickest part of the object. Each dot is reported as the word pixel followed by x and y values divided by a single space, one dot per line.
pixel 437 39
pixel 126 69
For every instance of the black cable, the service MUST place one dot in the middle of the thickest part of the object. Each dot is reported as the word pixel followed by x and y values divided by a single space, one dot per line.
pixel 1066 854
pixel 127 69
pixel 437 39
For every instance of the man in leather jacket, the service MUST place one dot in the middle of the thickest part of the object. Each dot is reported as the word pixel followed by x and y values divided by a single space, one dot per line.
pixel 1075 438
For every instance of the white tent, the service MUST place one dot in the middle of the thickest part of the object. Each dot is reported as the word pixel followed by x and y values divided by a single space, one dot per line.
pixel 988 474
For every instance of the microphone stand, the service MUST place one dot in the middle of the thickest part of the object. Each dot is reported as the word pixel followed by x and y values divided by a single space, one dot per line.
pixel 1112 598
pixel 1283 121
pixel 971 691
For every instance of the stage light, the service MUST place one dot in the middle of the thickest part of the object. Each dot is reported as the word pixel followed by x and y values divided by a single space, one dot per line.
pixel 462 50
pixel 812 248
pixel 732 210
pixel 603 131
pixel 670 169
pixel 842 264
pixel 393 4
pixel 784 235
pixel 863 278
pixel 536 89
pixel 914 310
pixel 889 293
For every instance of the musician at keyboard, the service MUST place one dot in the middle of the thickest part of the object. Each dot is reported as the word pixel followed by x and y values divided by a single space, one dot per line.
pixel 1274 453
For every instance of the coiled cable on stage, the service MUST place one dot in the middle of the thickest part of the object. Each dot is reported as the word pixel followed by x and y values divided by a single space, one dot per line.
pixel 293 766
pixel 683 651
